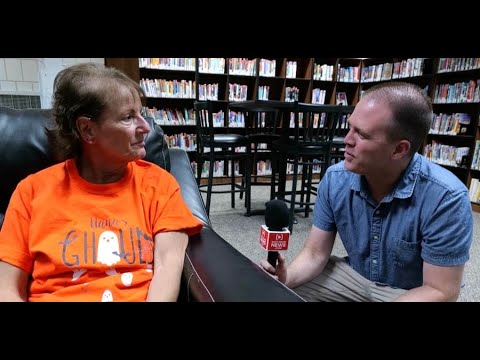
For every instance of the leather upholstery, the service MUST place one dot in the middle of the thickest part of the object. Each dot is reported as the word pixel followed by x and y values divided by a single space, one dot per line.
pixel 214 270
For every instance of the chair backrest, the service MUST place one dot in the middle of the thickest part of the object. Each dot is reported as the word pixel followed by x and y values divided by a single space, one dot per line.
pixel 261 117
pixel 315 124
pixel 338 146
pixel 210 115
pixel 342 126
pixel 24 147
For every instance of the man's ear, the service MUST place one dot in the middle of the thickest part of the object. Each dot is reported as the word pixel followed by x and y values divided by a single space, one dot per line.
pixel 402 149
pixel 85 129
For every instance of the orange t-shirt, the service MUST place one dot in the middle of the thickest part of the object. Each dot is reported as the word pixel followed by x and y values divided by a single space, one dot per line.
pixel 91 242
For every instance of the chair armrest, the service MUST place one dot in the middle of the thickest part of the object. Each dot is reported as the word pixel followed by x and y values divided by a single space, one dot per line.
pixel 181 169
pixel 215 271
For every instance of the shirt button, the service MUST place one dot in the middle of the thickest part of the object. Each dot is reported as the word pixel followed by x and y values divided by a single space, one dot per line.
pixel 377 212
pixel 374 261
pixel 375 237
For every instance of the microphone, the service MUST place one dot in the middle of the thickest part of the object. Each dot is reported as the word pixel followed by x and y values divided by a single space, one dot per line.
pixel 274 235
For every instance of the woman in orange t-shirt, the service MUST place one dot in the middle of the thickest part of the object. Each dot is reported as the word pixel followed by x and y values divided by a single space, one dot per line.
pixel 103 225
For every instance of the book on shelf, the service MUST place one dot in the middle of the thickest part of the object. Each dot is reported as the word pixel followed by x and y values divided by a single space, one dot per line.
pixel 342 98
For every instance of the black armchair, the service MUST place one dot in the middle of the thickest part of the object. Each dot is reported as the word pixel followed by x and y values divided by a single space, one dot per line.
pixel 213 271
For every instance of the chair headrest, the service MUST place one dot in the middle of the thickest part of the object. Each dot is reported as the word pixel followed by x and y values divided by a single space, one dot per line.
pixel 24 147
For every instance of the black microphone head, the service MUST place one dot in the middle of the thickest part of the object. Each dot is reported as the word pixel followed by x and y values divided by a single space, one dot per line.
pixel 276 215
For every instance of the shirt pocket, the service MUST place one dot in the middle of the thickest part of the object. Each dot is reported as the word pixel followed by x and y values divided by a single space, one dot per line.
pixel 408 263
pixel 407 254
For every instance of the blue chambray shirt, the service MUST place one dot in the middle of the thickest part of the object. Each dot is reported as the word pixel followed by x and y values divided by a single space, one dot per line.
pixel 427 217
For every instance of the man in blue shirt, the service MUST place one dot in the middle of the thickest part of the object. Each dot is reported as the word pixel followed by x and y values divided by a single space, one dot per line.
pixel 405 222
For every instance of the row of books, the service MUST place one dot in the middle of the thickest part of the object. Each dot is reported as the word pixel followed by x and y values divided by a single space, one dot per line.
pixel 450 124
pixel 319 121
pixel 219 169
pixel 476 156
pixel 208 91
pixel 397 70
pixel 348 74
pixel 446 154
pixel 241 66
pixel 460 92
pixel 170 116
pixel 211 65
pixel 291 93
pixel 267 67
pixel 457 64
pixel 185 64
pixel 318 96
pixel 237 92
pixel 235 119
pixel 378 72
pixel 263 92
pixel 323 72
pixel 163 88
pixel 263 168
pixel 474 190
pixel 291 70
pixel 187 142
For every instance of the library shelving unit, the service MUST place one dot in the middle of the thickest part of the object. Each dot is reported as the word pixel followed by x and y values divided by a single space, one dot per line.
pixel 329 81
pixel 347 85
pixel 170 87
pixel 418 71
pixel 455 140
pixel 453 85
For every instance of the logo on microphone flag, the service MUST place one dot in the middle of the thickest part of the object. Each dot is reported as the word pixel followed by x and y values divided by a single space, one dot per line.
pixel 274 240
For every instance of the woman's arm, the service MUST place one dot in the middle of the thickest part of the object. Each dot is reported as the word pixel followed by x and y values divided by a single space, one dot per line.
pixel 169 255
pixel 13 283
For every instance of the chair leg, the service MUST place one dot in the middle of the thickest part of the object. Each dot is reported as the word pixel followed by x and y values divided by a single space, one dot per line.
pixel 308 187
pixel 273 165
pixel 304 179
pixel 281 166
pixel 232 182
pixel 210 184
pixel 199 170
pixel 293 194
pixel 248 185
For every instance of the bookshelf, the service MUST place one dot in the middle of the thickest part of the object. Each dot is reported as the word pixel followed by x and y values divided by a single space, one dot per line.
pixel 323 81
pixel 456 94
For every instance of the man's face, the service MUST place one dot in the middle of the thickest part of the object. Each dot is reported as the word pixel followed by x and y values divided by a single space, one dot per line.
pixel 368 150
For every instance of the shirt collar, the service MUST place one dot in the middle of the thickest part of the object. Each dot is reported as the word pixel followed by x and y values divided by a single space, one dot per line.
pixel 405 185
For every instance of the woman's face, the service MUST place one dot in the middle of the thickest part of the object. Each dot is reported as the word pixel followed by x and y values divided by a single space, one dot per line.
pixel 120 134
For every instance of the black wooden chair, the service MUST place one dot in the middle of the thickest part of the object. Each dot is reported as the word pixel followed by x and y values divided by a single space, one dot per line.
pixel 338 145
pixel 307 151
pixel 263 126
pixel 216 147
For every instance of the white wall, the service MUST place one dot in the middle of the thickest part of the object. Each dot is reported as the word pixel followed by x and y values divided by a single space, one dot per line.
pixel 34 76
pixel 19 76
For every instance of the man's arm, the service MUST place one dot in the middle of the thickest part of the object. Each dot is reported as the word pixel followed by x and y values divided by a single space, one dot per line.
pixel 440 283
pixel 169 255
pixel 312 259
pixel 13 283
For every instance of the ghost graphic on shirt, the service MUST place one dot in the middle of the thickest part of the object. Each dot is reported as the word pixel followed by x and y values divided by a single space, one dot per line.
pixel 126 278
pixel 108 248
pixel 107 296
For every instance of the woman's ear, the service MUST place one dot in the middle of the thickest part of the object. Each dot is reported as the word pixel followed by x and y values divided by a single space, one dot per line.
pixel 85 129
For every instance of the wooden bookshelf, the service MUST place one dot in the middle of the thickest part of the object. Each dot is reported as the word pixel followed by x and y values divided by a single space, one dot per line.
pixel 319 80
pixel 455 90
